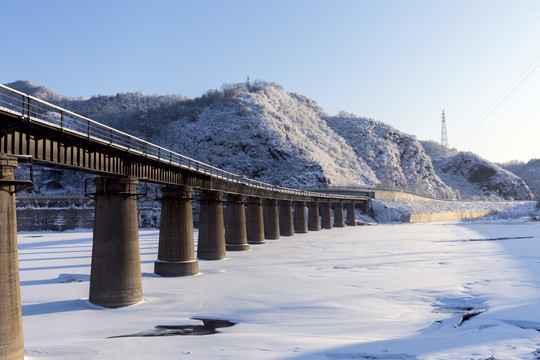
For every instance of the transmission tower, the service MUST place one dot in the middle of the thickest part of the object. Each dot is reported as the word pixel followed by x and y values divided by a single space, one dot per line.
pixel 444 136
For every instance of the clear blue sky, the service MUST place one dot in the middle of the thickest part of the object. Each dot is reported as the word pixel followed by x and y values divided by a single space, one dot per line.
pixel 400 61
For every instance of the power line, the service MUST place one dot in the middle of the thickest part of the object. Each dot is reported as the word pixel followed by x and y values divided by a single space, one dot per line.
pixel 512 129
pixel 500 99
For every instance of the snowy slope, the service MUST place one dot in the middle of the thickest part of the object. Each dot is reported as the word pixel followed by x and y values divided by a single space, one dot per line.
pixel 271 135
pixel 434 149
pixel 397 158
pixel 529 172
pixel 469 173
pixel 37 91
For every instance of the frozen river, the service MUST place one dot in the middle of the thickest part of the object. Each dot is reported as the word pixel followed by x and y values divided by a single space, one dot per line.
pixel 459 290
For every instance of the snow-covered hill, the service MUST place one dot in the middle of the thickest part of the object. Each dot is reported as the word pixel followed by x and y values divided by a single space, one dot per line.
pixel 470 173
pixel 263 132
pixel 397 158
pixel 529 172
pixel 40 92
pixel 434 149
pixel 267 134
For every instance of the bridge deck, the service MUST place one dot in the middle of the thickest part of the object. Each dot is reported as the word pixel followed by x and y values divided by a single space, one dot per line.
pixel 56 137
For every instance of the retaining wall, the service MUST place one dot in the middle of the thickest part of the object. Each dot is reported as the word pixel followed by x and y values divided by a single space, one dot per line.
pixel 62 219
pixel 444 216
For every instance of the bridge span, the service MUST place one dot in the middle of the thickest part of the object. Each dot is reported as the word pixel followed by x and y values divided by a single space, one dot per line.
pixel 43 134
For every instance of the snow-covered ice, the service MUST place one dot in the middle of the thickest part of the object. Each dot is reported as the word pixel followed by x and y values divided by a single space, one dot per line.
pixel 453 290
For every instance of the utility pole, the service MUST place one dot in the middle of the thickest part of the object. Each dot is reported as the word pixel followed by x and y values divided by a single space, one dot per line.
pixel 444 136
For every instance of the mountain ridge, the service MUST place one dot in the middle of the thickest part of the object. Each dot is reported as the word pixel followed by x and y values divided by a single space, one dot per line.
pixel 263 132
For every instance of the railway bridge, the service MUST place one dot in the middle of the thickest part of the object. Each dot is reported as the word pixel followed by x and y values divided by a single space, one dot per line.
pixel 43 134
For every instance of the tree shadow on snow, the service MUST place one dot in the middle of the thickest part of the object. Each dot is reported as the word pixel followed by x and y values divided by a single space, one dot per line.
pixel 61 279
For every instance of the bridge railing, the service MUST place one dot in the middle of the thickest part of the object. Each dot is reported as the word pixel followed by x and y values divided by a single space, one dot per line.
pixel 35 110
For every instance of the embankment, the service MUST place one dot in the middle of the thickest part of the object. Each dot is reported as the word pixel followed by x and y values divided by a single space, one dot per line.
pixel 445 216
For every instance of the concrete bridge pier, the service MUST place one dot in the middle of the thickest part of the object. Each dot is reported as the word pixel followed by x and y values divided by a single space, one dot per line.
pixel 286 224
pixel 235 230
pixel 314 223
pixel 11 331
pixel 255 221
pixel 271 219
pixel 338 215
pixel 364 206
pixel 115 277
pixel 176 252
pixel 326 215
pixel 351 216
pixel 211 244
pixel 300 223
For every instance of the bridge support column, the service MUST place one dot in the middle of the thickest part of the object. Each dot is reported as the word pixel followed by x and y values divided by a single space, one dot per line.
pixel 11 332
pixel 235 230
pixel 338 215
pixel 313 217
pixel 300 224
pixel 271 219
pixel 115 277
pixel 176 252
pixel 211 244
pixel 255 222
pixel 286 224
pixel 326 215
pixel 351 216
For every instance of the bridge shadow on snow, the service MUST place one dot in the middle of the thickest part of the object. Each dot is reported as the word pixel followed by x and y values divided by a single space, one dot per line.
pixel 59 307
pixel 53 267
pixel 46 243
pixel 68 266
pixel 56 258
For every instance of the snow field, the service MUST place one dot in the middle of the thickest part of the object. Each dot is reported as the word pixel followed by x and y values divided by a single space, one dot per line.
pixel 377 292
